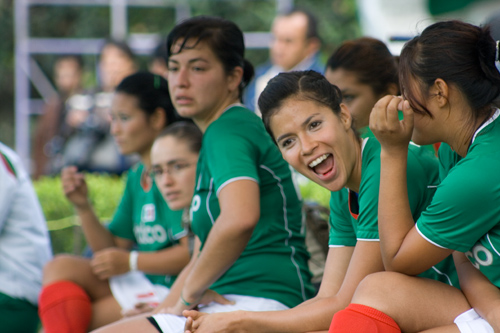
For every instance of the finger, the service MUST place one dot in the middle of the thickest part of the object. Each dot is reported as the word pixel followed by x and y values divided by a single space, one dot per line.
pixel 378 117
pixel 408 115
pixel 392 113
pixel 189 324
pixel 193 314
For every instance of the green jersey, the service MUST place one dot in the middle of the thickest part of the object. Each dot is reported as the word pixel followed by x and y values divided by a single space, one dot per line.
pixel 464 213
pixel 273 265
pixel 144 217
pixel 447 160
pixel 354 216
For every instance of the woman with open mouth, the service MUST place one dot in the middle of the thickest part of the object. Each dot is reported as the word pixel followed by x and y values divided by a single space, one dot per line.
pixel 313 130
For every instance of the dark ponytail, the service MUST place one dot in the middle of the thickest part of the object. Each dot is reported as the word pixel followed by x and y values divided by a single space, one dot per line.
pixel 459 53
pixel 151 90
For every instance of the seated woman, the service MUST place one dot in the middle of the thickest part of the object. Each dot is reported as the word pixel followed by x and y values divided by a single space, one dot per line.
pixel 80 294
pixel 314 132
pixel 451 95
pixel 246 212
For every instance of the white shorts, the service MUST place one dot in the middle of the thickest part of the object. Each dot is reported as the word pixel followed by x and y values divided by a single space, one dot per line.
pixel 471 322
pixel 134 287
pixel 175 324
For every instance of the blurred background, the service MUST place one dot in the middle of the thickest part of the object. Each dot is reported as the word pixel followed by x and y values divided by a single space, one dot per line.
pixel 34 33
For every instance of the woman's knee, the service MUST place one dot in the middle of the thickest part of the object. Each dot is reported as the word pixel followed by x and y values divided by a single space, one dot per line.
pixel 65 267
pixel 375 289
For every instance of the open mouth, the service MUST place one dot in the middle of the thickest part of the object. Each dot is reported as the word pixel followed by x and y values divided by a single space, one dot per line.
pixel 322 165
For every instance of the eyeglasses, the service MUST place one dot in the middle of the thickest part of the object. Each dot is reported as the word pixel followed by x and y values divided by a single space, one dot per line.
pixel 170 169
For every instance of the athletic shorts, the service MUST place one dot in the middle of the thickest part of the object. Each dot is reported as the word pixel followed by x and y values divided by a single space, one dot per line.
pixel 132 288
pixel 167 323
pixel 471 322
pixel 17 316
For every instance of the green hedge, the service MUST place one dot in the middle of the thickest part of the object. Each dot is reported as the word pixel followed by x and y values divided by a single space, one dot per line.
pixel 105 192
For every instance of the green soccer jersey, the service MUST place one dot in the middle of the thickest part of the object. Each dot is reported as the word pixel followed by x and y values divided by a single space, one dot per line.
pixel 448 158
pixel 145 218
pixel 274 263
pixel 354 216
pixel 464 213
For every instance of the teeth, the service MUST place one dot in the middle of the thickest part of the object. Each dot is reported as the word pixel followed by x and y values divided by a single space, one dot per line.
pixel 318 160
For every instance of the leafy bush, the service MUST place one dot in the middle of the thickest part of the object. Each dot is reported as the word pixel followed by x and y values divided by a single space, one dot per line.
pixel 105 192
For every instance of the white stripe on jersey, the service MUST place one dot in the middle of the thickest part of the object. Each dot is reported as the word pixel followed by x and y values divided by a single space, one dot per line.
pixel 285 218
pixel 446 275
pixel 208 200
pixel 489 241
pixel 427 239
pixel 227 182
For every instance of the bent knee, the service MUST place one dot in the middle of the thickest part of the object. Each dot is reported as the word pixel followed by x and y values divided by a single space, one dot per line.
pixel 65 267
pixel 375 289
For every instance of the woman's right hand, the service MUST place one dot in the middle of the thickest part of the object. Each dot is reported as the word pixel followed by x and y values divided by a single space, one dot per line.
pixel 75 187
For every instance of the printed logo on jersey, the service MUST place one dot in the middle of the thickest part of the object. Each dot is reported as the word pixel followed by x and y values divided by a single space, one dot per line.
pixel 480 256
pixel 146 234
pixel 148 213
pixel 195 205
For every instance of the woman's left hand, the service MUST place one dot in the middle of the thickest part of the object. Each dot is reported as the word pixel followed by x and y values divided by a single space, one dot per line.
pixel 392 133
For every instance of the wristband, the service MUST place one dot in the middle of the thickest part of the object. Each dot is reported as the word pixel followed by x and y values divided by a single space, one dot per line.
pixel 132 260
pixel 186 303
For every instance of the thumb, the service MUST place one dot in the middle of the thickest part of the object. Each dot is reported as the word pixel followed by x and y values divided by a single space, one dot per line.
pixel 191 314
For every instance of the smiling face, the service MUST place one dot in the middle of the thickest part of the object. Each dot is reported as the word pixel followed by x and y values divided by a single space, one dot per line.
pixel 198 83
pixel 358 97
pixel 174 169
pixel 130 126
pixel 318 143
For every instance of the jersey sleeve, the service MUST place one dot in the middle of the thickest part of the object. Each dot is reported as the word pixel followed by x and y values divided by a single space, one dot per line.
pixel 342 231
pixel 368 194
pixel 231 155
pixel 461 212
pixel 122 224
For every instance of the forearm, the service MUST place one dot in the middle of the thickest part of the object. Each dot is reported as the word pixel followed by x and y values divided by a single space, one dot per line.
pixel 395 218
pixel 98 236
pixel 483 295
pixel 315 315
pixel 224 245
pixel 175 290
pixel 169 261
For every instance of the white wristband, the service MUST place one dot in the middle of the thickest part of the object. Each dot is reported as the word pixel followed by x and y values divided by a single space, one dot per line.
pixel 132 260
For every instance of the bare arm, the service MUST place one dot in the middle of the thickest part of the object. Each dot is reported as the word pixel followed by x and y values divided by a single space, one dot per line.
pixel 344 270
pixel 169 261
pixel 483 295
pixel 75 189
pixel 240 212
pixel 116 260
pixel 403 249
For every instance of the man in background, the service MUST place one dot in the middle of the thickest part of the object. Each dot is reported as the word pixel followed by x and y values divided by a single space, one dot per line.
pixel 295 46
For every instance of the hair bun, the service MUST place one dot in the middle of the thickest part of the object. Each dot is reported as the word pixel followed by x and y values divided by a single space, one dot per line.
pixel 248 73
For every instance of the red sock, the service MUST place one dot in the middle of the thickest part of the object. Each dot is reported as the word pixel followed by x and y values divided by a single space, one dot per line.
pixel 362 318
pixel 64 307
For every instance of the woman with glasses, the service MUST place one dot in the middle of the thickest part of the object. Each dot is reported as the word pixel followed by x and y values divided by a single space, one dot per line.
pixel 144 236
pixel 246 212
